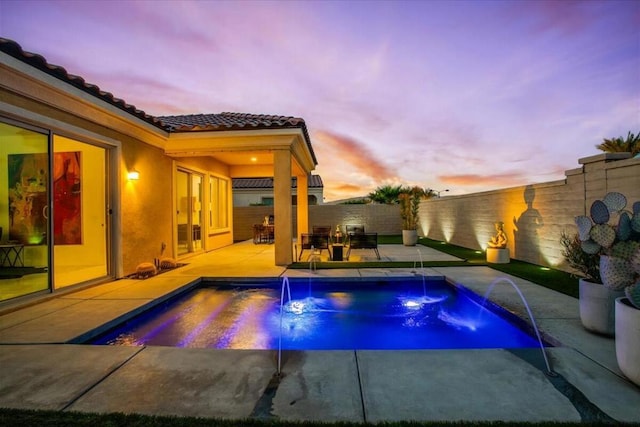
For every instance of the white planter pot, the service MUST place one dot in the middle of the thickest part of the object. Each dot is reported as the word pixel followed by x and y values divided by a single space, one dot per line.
pixel 409 237
pixel 628 339
pixel 597 307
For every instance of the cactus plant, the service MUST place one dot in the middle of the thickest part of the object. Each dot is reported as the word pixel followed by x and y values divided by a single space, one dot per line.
pixel 633 293
pixel 618 246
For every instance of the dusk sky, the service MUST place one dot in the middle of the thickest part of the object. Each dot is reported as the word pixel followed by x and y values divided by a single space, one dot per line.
pixel 460 95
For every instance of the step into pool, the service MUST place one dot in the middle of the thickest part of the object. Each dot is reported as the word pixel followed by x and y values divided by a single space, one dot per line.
pixel 324 314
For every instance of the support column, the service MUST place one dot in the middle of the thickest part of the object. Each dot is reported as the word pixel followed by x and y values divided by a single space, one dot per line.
pixel 303 205
pixel 282 208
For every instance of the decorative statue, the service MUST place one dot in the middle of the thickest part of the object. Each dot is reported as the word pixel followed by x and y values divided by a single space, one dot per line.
pixel 499 241
pixel 338 234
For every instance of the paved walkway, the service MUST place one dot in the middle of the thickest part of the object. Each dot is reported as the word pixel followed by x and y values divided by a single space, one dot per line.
pixel 39 368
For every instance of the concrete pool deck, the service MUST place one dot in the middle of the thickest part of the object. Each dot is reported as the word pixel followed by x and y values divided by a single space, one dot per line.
pixel 40 370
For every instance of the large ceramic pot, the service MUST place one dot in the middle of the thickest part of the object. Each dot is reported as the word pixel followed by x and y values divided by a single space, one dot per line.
pixel 409 237
pixel 597 307
pixel 628 339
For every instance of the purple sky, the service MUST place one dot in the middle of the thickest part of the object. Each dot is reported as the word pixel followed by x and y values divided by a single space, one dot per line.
pixel 469 96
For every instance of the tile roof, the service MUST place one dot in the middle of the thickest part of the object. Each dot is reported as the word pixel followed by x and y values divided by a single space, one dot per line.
pixel 315 181
pixel 226 121
pixel 184 123
pixel 235 121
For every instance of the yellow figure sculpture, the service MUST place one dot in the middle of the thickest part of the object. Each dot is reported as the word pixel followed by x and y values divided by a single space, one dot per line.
pixel 499 241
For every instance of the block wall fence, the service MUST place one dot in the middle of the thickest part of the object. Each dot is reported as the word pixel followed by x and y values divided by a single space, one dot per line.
pixel 534 216
pixel 383 219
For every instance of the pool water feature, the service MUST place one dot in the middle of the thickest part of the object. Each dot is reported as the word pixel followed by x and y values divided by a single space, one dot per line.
pixel 376 314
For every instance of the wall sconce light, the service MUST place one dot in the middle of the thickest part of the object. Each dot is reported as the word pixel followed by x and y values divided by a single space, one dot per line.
pixel 133 175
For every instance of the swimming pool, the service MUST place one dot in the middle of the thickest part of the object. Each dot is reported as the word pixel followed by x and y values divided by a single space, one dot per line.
pixel 323 314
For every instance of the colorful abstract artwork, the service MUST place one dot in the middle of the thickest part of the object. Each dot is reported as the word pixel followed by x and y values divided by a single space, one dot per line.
pixel 28 181
pixel 28 209
pixel 67 218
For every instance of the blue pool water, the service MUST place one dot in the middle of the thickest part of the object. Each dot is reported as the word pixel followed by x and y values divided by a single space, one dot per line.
pixel 323 315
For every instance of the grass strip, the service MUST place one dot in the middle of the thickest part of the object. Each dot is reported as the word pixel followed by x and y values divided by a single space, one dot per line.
pixel 470 255
pixel 550 278
pixel 49 418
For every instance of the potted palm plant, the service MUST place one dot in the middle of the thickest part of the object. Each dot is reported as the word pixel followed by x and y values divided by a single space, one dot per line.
pixel 409 200
pixel 618 249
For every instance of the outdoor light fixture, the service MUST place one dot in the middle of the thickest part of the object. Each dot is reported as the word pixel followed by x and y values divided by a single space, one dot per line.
pixel 133 175
pixel 438 191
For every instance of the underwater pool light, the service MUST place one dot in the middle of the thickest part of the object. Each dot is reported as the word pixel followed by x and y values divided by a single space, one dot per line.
pixel 411 304
pixel 296 307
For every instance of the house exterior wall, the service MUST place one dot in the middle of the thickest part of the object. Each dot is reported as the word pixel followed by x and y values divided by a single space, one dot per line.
pixel 143 212
pixel 146 205
pixel 249 197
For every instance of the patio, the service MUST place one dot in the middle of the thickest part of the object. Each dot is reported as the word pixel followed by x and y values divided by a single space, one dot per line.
pixel 41 371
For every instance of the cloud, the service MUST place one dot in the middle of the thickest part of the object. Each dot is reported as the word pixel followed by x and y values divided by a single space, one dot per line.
pixel 355 153
pixel 568 17
pixel 348 189
pixel 344 191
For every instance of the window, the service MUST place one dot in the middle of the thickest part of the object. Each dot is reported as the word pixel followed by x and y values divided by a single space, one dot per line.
pixel 218 203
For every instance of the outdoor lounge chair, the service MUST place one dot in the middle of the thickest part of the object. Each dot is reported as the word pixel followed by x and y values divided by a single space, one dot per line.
pixel 318 240
pixel 363 241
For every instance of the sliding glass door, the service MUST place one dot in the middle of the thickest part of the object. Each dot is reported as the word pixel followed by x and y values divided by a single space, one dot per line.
pixel 24 210
pixel 80 213
pixel 189 211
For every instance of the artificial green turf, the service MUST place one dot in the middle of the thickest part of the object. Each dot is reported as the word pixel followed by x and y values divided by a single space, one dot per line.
pixel 470 255
pixel 550 278
pixel 557 280
pixel 20 417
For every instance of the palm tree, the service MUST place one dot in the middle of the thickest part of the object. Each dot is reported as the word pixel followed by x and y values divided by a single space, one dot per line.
pixel 387 194
pixel 620 145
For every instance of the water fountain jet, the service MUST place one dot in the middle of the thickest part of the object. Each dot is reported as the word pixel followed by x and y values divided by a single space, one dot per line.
pixel 549 372
pixel 285 285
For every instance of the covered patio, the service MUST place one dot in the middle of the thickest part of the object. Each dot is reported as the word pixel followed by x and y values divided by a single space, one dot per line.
pixel 252 146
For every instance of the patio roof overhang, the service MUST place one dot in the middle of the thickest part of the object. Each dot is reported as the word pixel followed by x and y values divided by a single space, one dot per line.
pixel 249 153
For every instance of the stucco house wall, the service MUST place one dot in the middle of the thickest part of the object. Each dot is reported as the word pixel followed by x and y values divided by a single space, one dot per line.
pixel 247 197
